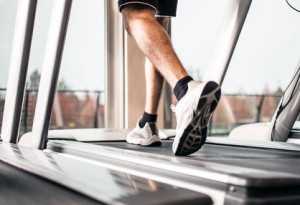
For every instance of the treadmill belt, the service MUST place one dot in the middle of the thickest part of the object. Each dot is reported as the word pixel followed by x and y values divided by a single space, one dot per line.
pixel 19 187
pixel 246 175
pixel 257 158
pixel 164 149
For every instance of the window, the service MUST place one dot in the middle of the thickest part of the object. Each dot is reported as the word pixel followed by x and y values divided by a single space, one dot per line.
pixel 80 98
pixel 81 82
pixel 268 49
pixel 194 32
pixel 80 90
pixel 8 10
pixel 263 62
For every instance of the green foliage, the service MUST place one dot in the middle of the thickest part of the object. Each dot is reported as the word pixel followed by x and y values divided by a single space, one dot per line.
pixel 34 82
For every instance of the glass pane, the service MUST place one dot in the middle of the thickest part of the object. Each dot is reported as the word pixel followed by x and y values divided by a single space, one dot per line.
pixel 262 66
pixel 38 45
pixel 268 49
pixel 264 60
pixel 194 32
pixel 8 10
pixel 81 81
pixel 79 101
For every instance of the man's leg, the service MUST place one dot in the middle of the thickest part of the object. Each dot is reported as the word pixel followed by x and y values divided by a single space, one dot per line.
pixel 154 85
pixel 197 100
pixel 154 41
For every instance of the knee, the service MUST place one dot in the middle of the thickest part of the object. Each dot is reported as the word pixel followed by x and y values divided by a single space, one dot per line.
pixel 136 13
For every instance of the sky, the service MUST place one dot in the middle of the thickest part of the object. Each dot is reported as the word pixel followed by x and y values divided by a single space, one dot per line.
pixel 266 54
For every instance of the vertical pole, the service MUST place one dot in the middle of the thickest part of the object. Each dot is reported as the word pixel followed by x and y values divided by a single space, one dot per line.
pixel 114 67
pixel 259 108
pixel 167 95
pixel 51 66
pixel 18 70
pixel 97 110
pixel 26 111
pixel 232 25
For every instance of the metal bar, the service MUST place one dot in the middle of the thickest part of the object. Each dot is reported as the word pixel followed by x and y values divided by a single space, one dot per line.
pixel 287 110
pixel 18 70
pixel 232 25
pixel 259 108
pixel 167 94
pixel 97 110
pixel 26 112
pixel 51 66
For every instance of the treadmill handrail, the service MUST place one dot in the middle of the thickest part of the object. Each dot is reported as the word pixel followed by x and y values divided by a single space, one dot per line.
pixel 51 66
pixel 233 22
pixel 24 24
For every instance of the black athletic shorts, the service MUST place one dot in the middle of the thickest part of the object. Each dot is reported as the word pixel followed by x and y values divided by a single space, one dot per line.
pixel 162 7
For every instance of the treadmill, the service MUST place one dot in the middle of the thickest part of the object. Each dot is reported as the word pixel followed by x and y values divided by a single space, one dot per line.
pixel 99 166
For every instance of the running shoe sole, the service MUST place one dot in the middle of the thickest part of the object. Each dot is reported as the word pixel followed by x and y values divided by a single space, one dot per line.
pixel 194 135
pixel 153 141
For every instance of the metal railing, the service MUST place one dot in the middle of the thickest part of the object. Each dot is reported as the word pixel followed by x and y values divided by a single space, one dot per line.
pixel 85 109
pixel 72 109
pixel 238 109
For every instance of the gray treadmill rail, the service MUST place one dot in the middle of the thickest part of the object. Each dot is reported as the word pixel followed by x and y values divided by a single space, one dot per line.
pixel 19 187
pixel 93 179
pixel 221 164
pixel 244 175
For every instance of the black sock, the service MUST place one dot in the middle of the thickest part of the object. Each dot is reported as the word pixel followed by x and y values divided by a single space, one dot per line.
pixel 147 118
pixel 181 87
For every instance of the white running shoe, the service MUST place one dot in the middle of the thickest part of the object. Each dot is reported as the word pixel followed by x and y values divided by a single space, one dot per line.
pixel 146 136
pixel 193 112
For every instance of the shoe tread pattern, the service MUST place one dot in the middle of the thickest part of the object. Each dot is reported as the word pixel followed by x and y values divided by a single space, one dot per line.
pixel 194 135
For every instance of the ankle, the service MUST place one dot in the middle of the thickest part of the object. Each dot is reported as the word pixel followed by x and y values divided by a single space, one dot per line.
pixel 147 118
pixel 181 87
